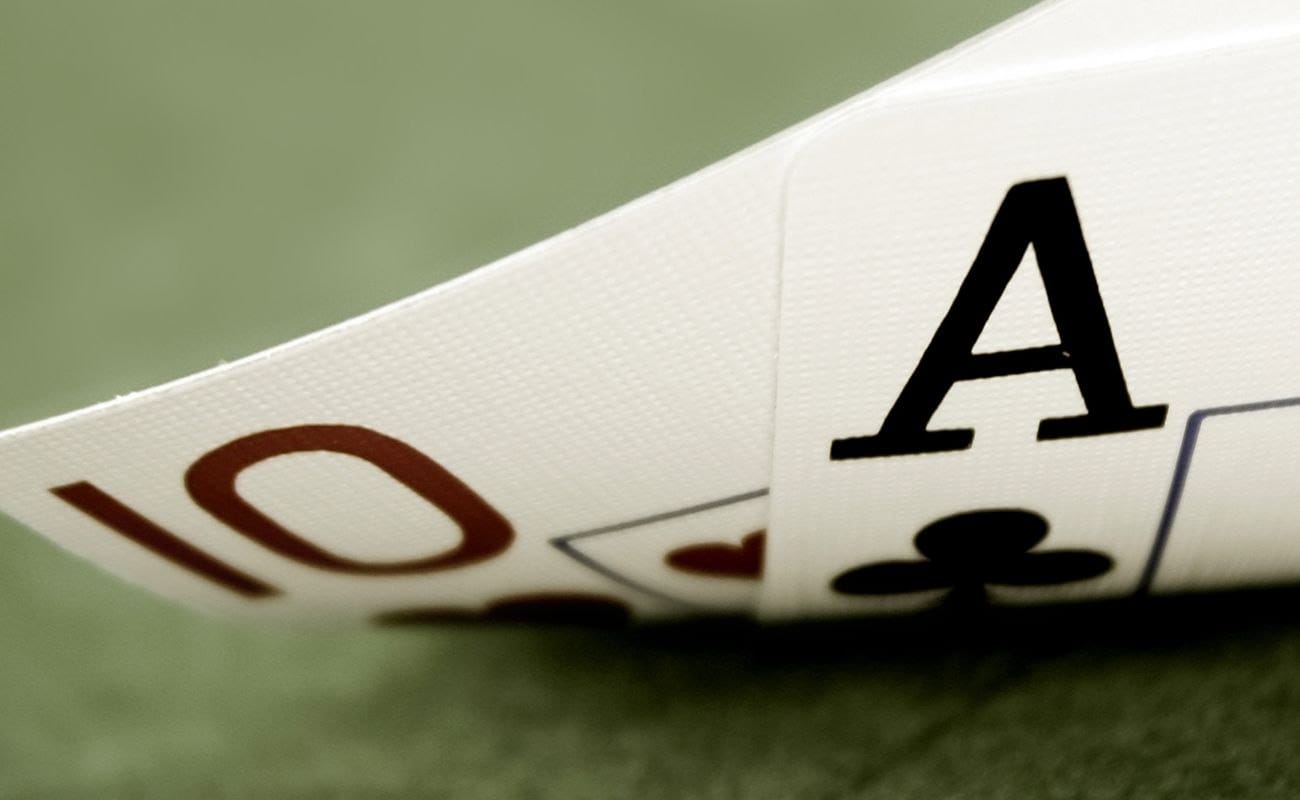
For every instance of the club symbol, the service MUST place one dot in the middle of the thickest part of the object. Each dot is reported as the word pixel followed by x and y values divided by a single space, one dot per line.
pixel 967 552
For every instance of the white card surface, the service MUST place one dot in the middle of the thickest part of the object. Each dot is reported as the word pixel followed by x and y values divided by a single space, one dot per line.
pixel 1169 185
pixel 620 372
pixel 617 372
pixel 1229 519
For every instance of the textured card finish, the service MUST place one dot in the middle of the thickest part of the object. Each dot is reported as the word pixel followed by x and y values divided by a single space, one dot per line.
pixel 617 372
pixel 1229 519
pixel 585 429
pixel 532 433
pixel 1000 305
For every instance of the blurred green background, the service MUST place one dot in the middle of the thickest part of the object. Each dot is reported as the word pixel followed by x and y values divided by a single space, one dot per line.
pixel 182 183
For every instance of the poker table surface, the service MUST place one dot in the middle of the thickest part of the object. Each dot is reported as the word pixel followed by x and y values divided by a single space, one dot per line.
pixel 184 183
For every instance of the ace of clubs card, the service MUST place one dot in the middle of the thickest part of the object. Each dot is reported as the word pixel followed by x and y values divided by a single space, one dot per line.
pixel 1004 312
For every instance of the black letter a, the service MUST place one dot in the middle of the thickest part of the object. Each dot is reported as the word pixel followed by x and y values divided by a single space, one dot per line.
pixel 1040 213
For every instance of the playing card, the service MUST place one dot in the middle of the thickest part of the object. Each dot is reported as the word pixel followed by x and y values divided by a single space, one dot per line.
pixel 1001 303
pixel 704 558
pixel 1229 518
pixel 422 458
pixel 585 430
pixel 584 425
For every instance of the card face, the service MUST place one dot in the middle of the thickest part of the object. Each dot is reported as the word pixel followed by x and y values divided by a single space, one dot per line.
pixel 1001 305
pixel 417 463
pixel 1229 518
pixel 1036 321
pixel 582 430
pixel 706 558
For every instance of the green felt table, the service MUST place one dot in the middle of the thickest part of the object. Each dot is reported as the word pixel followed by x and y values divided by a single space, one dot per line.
pixel 183 183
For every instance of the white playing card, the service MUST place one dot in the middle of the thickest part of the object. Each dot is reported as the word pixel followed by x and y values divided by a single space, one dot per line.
pixel 1079 34
pixel 1160 196
pixel 587 426
pixel 1229 519
pixel 618 373
pixel 702 559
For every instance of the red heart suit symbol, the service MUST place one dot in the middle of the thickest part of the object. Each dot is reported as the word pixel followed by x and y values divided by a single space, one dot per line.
pixel 721 559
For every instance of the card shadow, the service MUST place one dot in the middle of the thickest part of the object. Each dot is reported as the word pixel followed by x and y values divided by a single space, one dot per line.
pixel 1185 691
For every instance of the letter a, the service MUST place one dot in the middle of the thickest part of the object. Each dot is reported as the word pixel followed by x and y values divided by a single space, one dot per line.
pixel 1039 213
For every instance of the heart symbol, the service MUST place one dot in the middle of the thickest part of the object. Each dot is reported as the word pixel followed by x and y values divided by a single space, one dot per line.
pixel 721 559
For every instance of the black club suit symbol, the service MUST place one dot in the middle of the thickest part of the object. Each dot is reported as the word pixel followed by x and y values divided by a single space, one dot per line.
pixel 968 552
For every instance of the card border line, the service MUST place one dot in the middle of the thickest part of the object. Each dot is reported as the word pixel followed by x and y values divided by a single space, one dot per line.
pixel 1186 451
pixel 564 543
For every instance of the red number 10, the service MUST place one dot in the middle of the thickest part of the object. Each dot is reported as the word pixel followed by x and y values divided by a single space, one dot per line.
pixel 210 482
